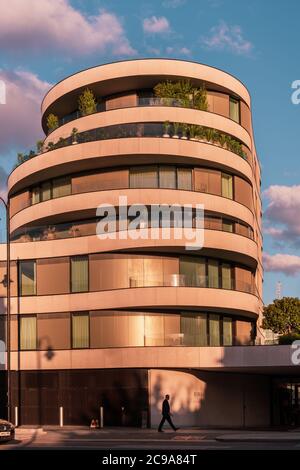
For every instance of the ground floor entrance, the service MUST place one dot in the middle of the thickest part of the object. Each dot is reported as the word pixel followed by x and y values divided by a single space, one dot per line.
pixel 286 401
pixel 133 397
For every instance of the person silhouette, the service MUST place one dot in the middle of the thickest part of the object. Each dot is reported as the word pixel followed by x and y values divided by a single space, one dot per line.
pixel 166 415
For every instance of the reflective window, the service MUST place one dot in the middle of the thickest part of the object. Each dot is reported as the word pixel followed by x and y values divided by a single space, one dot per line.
pixel 234 109
pixel 28 333
pixel 27 278
pixel 80 331
pixel 79 274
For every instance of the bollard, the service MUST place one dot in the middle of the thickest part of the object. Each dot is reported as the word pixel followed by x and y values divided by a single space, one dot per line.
pixel 16 416
pixel 61 416
pixel 101 416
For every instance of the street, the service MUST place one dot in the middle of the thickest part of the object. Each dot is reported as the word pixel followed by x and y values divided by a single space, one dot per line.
pixel 129 438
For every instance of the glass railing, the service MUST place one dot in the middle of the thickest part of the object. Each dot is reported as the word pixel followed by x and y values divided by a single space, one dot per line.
pixel 88 227
pixel 186 280
pixel 140 101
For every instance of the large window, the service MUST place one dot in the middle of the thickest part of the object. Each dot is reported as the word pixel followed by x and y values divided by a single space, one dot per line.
pixel 80 330
pixel 184 179
pixel 51 189
pixel 227 331
pixel 214 330
pixel 167 177
pixel 28 333
pixel 194 329
pixel 193 272
pixel 234 109
pixel 213 273
pixel 144 177
pixel 27 277
pixel 227 186
pixel 79 274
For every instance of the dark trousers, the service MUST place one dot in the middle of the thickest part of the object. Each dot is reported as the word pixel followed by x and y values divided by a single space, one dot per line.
pixel 166 418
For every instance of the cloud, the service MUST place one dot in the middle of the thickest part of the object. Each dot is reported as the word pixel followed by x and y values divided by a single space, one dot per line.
pixel 170 50
pixel 282 213
pixel 227 37
pixel 20 116
pixel 173 3
pixel 281 262
pixel 3 184
pixel 155 25
pixel 46 25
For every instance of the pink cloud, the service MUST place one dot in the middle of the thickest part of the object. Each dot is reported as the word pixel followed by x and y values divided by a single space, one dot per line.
pixel 56 25
pixel 20 116
pixel 227 37
pixel 280 262
pixel 282 213
pixel 155 25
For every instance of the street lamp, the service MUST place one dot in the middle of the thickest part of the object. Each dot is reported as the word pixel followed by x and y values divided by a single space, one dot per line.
pixel 8 281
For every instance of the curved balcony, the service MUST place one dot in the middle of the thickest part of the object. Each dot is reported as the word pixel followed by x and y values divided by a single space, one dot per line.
pixel 118 77
pixel 125 151
pixel 147 122
pixel 231 246
pixel 140 102
pixel 178 298
pixel 85 204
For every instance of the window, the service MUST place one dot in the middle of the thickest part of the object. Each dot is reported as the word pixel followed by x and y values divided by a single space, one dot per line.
pixel 234 109
pixel 28 333
pixel 167 177
pixel 227 186
pixel 213 273
pixel 61 187
pixel 227 331
pixel 226 276
pixel 193 272
pixel 80 330
pixel 143 177
pixel 227 225
pixel 79 274
pixel 184 178
pixel 35 195
pixel 194 329
pixel 46 191
pixel 27 277
pixel 214 330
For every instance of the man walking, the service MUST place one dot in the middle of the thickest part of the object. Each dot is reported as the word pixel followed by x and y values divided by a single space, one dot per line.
pixel 166 415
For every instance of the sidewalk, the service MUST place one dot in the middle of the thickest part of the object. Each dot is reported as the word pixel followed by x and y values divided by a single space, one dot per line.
pixel 142 435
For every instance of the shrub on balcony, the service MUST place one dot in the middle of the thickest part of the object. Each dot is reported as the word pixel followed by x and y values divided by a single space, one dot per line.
pixel 182 93
pixel 52 122
pixel 87 102
pixel 289 339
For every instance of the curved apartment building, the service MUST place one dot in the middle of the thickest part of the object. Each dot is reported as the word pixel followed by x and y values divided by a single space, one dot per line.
pixel 118 322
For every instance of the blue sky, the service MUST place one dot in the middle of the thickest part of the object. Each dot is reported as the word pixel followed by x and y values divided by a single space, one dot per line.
pixel 258 41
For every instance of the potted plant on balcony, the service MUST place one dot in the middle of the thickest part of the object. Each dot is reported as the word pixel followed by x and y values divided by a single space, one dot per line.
pixel 222 139
pixel 52 122
pixel 176 126
pixel 184 131
pixel 50 146
pixel 87 103
pixel 210 135
pixel 166 129
pixel 20 158
pixel 39 146
pixel 74 135
pixel 193 129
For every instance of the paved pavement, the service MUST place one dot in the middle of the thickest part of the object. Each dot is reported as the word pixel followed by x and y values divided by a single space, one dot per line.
pixel 129 438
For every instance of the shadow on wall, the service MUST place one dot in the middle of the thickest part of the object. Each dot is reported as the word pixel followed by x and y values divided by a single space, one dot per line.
pixel 211 399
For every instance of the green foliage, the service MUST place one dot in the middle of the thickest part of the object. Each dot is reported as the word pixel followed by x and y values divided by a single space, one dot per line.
pixel 289 339
pixel 176 127
pixel 87 102
pixel 52 122
pixel 182 93
pixel 20 158
pixel 283 316
pixel 167 126
pixel 39 146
